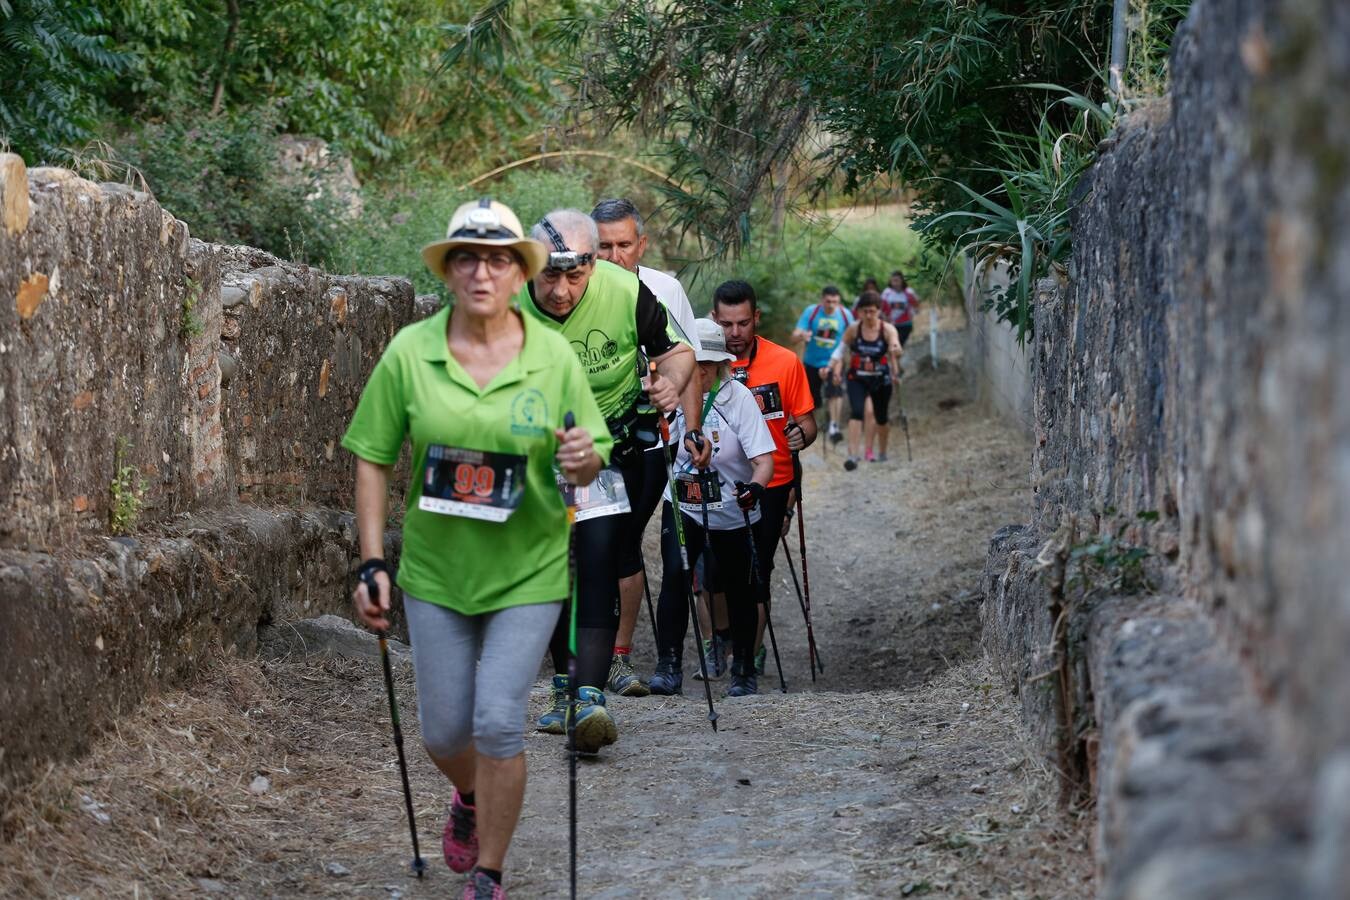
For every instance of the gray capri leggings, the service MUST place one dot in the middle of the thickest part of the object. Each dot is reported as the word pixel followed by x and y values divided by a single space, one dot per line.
pixel 474 674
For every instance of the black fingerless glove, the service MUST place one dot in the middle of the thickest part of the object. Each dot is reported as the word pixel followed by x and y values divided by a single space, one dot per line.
pixel 748 494
pixel 367 575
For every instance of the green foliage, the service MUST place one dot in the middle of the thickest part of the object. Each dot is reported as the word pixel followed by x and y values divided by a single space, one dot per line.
pixel 368 76
pixel 1152 24
pixel 328 66
pixel 223 177
pixel 52 63
pixel 1107 563
pixel 126 492
pixel 402 218
pixel 1024 220
pixel 743 95
pixel 190 324
pixel 788 276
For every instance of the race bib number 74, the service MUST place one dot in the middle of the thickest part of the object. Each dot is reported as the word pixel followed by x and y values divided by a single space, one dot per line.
pixel 696 489
pixel 474 484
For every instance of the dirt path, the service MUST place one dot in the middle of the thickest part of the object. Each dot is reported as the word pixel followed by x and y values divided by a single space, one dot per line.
pixel 900 773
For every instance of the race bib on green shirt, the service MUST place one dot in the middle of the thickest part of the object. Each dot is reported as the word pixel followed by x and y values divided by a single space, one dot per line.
pixel 607 495
pixel 473 484
pixel 694 488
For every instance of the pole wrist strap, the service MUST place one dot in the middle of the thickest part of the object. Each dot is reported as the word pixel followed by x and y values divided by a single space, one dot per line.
pixel 370 567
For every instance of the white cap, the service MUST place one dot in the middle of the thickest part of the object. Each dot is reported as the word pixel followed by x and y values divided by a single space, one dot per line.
pixel 712 342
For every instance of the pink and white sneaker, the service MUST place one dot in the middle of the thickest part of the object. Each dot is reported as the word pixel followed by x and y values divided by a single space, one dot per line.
pixel 460 838
pixel 482 887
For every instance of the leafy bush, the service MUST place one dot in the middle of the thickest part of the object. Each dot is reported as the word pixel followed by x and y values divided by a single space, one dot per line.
pixel 788 276
pixel 51 62
pixel 400 219
pixel 1024 221
pixel 222 175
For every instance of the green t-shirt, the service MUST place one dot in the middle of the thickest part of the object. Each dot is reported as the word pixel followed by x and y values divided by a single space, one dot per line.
pixel 419 391
pixel 602 331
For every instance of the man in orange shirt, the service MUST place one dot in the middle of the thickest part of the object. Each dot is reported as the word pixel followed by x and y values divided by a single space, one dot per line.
pixel 776 377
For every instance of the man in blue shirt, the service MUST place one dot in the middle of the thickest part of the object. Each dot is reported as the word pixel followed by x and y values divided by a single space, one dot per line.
pixel 820 328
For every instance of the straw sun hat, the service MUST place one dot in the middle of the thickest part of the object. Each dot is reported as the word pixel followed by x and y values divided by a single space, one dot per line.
pixel 485 223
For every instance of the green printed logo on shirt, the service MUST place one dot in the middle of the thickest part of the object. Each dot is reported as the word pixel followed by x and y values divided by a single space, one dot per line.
pixel 529 413
pixel 596 352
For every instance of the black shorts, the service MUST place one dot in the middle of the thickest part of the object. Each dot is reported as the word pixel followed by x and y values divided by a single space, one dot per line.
pixel 905 331
pixel 879 389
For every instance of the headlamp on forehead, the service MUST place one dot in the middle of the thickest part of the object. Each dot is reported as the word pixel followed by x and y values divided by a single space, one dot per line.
pixel 567 260
pixel 561 259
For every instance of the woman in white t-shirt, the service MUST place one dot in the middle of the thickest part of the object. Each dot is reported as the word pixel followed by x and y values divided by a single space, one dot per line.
pixel 742 454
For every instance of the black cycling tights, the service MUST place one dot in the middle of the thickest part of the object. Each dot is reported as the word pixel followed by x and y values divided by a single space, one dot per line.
pixel 731 549
pixel 598 546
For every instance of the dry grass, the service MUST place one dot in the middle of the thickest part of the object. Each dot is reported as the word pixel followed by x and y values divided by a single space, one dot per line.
pixel 173 782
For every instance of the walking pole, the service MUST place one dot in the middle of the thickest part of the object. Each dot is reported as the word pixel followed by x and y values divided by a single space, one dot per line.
pixel 651 614
pixel 419 865
pixel 904 423
pixel 759 581
pixel 669 453
pixel 792 567
pixel 570 422
pixel 806 580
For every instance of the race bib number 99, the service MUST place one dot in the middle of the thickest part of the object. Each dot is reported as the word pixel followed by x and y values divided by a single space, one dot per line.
pixel 474 484
pixel 770 400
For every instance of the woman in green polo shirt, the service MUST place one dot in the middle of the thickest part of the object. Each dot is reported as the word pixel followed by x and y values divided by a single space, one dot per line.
pixel 481 393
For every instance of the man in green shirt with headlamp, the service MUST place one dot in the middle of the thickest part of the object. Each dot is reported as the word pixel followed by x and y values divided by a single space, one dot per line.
pixel 613 322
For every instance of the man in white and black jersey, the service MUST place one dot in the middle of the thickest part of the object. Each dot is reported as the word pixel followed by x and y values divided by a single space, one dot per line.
pixel 623 242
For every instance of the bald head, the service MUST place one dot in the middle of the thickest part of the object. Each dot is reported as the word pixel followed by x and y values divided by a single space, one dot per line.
pixel 577 229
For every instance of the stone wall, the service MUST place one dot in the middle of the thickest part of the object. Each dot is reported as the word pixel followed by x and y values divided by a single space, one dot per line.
pixel 1195 368
pixel 996 364
pixel 210 384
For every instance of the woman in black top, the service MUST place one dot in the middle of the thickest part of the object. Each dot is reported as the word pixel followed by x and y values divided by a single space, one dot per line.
pixel 871 349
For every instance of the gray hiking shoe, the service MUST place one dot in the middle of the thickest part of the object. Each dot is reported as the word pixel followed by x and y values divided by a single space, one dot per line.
pixel 623 680
pixel 715 655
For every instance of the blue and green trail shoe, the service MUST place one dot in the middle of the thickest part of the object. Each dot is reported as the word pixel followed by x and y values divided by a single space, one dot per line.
pixel 595 726
pixel 555 720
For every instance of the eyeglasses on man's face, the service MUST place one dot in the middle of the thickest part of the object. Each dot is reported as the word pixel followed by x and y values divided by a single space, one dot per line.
pixel 463 262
